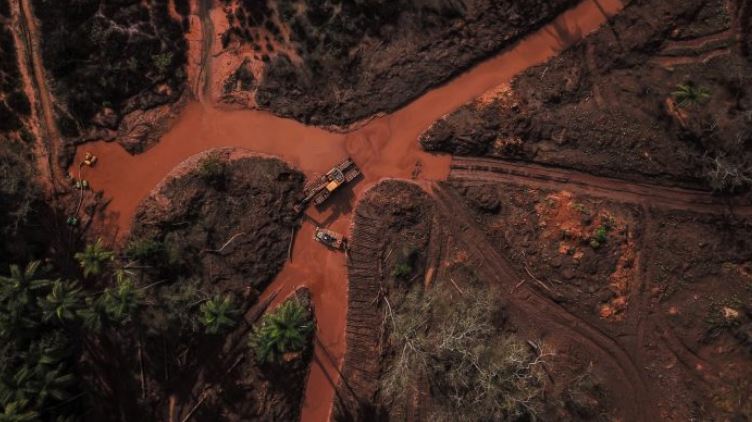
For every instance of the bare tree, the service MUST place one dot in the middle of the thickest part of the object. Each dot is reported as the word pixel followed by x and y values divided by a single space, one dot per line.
pixel 725 175
pixel 453 342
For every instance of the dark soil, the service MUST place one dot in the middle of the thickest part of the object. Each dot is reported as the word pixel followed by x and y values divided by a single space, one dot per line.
pixel 363 58
pixel 672 288
pixel 699 285
pixel 107 59
pixel 14 104
pixel 24 215
pixel 393 219
pixel 606 105
pixel 247 200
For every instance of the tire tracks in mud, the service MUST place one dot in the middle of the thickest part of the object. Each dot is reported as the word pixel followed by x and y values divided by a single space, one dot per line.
pixel 48 126
pixel 475 169
pixel 542 312
pixel 203 82
pixel 656 323
pixel 361 367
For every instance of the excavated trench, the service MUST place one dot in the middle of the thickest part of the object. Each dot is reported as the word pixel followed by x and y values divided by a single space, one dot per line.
pixel 383 147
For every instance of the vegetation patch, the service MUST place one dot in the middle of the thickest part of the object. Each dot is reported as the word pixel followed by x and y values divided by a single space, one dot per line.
pixel 284 334
pixel 453 344
pixel 109 58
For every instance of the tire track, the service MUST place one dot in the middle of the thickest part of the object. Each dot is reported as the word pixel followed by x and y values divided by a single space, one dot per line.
pixel 207 38
pixel 533 175
pixel 543 312
pixel 48 126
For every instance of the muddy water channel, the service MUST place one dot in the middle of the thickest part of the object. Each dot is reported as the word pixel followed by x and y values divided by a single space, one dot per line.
pixel 385 147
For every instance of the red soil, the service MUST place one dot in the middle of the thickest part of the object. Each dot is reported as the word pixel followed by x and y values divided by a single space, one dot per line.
pixel 384 147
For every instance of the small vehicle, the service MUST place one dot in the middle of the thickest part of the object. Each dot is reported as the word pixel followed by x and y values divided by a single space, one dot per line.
pixel 89 159
pixel 329 238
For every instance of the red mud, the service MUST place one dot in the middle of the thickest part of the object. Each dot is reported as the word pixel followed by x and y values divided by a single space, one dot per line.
pixel 384 147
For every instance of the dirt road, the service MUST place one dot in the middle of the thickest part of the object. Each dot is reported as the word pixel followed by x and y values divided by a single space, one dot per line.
pixel 48 130
pixel 467 169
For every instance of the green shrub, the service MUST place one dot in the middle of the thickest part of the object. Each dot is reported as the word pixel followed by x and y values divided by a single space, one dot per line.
pixel 162 62
pixel 405 265
pixel 689 94
pixel 402 270
pixel 599 237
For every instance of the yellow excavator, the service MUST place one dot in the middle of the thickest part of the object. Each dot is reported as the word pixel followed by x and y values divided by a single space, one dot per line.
pixel 321 188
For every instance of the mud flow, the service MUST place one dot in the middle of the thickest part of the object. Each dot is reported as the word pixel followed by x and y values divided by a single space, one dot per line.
pixel 384 147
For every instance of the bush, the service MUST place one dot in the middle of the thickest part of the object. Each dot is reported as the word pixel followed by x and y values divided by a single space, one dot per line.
pixel 599 237
pixel 19 102
pixel 405 265
pixel 212 169
pixel 8 119
pixel 727 175
pixel 147 251
pixel 689 94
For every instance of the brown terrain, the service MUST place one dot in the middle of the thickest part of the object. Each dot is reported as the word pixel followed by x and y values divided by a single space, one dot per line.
pixel 341 62
pixel 604 224
pixel 606 106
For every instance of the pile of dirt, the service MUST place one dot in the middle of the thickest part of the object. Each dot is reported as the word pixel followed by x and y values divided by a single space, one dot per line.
pixel 225 216
pixel 612 105
pixel 116 68
pixel 580 249
pixel 351 60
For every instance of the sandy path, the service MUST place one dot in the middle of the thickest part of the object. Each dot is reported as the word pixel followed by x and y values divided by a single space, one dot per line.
pixel 384 147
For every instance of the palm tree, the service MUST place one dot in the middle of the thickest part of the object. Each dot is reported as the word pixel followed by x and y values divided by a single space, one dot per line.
pixel 93 258
pixel 15 411
pixel 218 314
pixel 62 303
pixel 53 383
pixel 283 331
pixel 17 294
pixel 121 302
pixel 689 94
